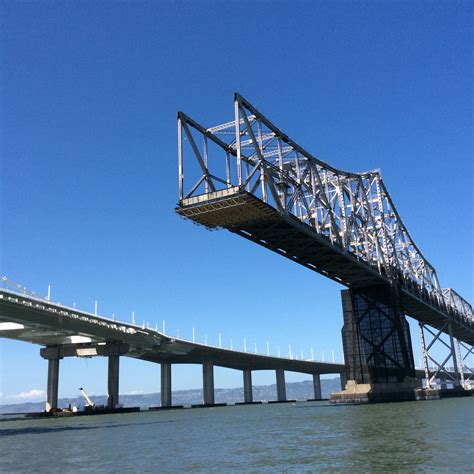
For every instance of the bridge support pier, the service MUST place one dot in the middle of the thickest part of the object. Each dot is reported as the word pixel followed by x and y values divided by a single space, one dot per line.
pixel 113 381
pixel 53 385
pixel 165 384
pixel 208 383
pixel 317 387
pixel 248 395
pixel 378 355
pixel 343 379
pixel 280 384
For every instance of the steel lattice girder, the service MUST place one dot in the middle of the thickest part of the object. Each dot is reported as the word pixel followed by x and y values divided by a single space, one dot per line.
pixel 440 368
pixel 266 188
pixel 466 369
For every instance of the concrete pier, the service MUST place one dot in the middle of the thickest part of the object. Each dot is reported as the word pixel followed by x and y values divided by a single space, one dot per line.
pixel 165 384
pixel 248 395
pixel 317 387
pixel 378 356
pixel 280 383
pixel 113 382
pixel 342 376
pixel 53 385
pixel 208 383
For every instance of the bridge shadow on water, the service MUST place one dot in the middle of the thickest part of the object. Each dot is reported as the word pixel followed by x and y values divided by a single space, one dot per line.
pixel 58 429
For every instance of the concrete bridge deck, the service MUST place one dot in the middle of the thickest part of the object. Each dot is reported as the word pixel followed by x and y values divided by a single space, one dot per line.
pixel 63 331
pixel 45 323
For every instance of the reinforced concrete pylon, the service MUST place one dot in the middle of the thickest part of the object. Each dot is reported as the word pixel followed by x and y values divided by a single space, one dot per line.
pixel 377 347
pixel 281 386
pixel 165 384
pixel 441 370
pixel 53 384
pixel 248 395
pixel 52 355
pixel 113 381
pixel 317 387
pixel 208 383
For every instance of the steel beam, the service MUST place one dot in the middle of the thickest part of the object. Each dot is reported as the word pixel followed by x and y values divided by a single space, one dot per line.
pixel 441 368
pixel 283 195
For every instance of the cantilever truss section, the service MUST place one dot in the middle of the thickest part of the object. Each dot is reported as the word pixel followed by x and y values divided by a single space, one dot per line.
pixel 249 177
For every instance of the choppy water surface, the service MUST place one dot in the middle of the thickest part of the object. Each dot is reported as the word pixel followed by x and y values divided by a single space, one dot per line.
pixel 302 437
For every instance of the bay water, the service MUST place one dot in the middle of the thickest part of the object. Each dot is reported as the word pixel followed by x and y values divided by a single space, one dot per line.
pixel 428 436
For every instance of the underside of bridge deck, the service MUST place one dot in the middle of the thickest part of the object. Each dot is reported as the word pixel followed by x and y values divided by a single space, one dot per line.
pixel 248 216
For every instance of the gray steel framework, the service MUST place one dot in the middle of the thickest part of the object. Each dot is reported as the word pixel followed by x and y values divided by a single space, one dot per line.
pixel 376 337
pixel 249 177
pixel 464 353
pixel 454 364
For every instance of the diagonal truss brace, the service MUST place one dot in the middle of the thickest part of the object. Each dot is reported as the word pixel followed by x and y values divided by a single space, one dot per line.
pixel 353 212
pixel 440 369
pixel 464 351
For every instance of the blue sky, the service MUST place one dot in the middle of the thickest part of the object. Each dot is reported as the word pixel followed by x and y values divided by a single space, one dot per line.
pixel 89 96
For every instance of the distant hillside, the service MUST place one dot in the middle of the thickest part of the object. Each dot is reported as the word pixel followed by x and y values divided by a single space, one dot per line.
pixel 294 391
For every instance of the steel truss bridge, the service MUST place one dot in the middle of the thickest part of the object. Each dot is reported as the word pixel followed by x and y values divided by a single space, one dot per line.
pixel 249 177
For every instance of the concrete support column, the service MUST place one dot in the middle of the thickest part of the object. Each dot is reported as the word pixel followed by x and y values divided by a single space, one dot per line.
pixel 280 383
pixel 317 387
pixel 208 383
pixel 113 382
pixel 53 384
pixel 165 384
pixel 248 395
pixel 343 380
pixel 443 382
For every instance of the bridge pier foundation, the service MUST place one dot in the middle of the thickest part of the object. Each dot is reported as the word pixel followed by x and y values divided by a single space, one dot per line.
pixel 53 385
pixel 343 379
pixel 208 383
pixel 248 395
pixel 165 384
pixel 113 381
pixel 378 355
pixel 280 384
pixel 317 387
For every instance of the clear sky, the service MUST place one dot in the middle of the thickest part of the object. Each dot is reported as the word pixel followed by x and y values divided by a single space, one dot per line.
pixel 89 96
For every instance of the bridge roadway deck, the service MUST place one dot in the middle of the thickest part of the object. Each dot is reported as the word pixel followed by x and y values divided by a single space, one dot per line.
pixel 45 323
pixel 248 216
